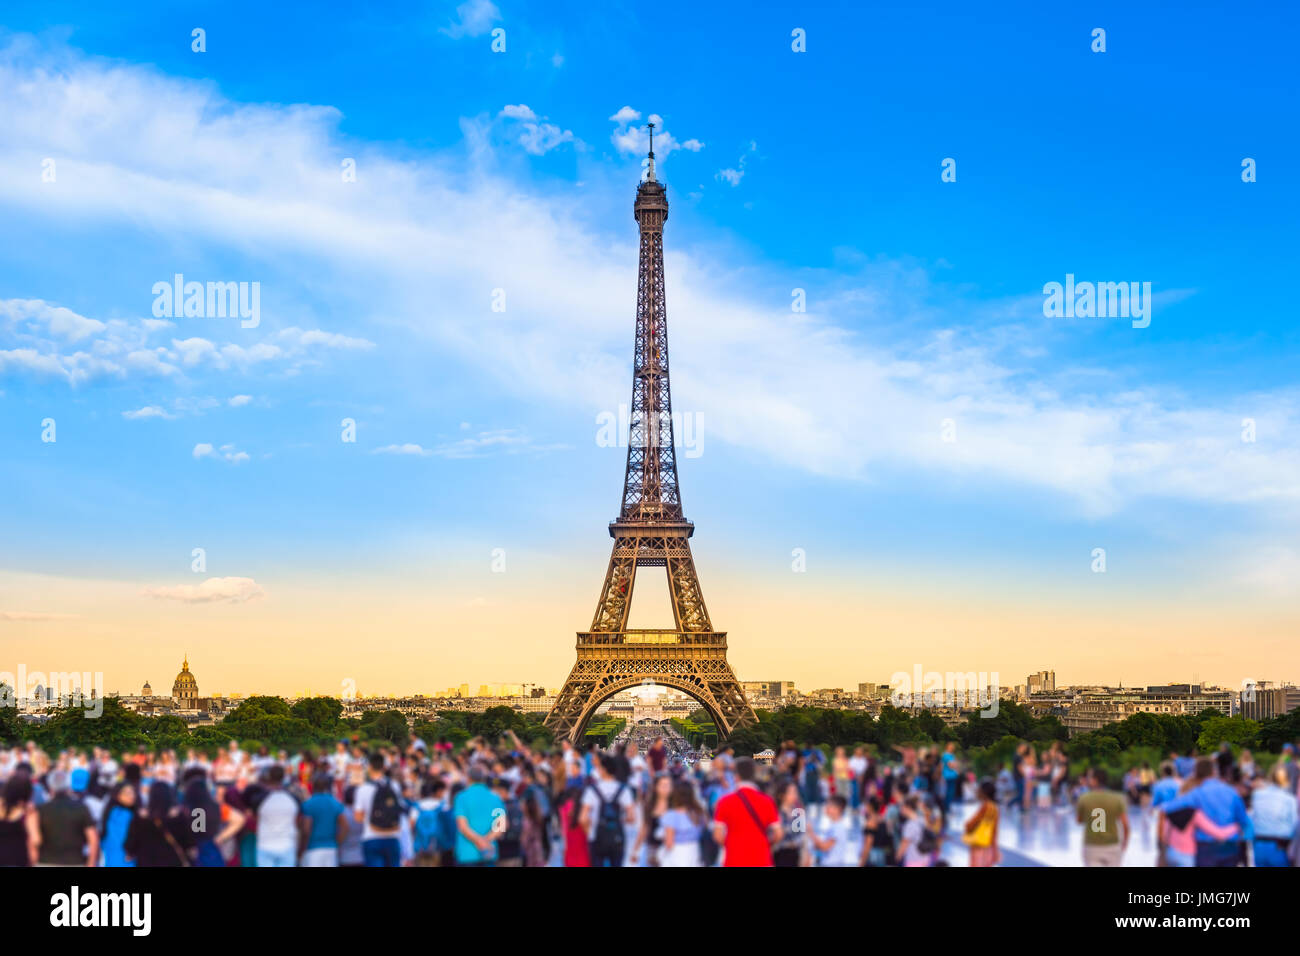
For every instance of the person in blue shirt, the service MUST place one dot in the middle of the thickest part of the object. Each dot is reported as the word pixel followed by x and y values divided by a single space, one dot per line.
pixel 118 814
pixel 476 810
pixel 1223 806
pixel 322 820
pixel 1166 788
pixel 1274 811
pixel 951 776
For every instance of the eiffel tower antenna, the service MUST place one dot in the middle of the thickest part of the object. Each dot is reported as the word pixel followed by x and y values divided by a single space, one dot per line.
pixel 650 532
pixel 651 176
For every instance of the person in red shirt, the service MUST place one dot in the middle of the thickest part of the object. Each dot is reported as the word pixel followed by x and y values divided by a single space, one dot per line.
pixel 746 821
pixel 658 756
pixel 577 851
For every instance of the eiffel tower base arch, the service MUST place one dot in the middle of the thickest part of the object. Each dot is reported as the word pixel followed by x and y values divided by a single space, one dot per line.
pixel 692 662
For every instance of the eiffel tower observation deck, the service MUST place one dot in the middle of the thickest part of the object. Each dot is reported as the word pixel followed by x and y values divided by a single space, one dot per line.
pixel 651 531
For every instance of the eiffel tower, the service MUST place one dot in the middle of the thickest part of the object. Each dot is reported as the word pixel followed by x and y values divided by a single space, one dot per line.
pixel 651 532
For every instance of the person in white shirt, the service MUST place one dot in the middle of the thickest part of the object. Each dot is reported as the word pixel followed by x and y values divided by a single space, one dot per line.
pixel 605 790
pixel 834 835
pixel 339 761
pixel 277 823
pixel 380 847
pixel 858 764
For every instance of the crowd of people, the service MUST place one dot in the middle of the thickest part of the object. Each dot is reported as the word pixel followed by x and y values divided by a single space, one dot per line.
pixel 505 803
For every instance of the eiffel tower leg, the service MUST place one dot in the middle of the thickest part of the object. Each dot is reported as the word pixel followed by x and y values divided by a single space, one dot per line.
pixel 684 586
pixel 616 594
pixel 732 705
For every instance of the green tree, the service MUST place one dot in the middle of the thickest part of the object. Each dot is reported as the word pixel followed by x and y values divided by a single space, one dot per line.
pixel 166 732
pixel 321 712
pixel 1280 730
pixel 932 726
pixel 256 707
pixel 389 725
pixel 495 721
pixel 116 728
pixel 210 739
pixel 1219 729
pixel 11 728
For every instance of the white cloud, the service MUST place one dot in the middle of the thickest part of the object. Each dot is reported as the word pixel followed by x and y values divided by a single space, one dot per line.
pixel 473 19
pixel 194 350
pixel 118 348
pixel 409 448
pixel 32 361
pixel 213 590
pixel 828 392
pixel 226 453
pixel 148 411
pixel 239 355
pixel 540 138
pixel 239 400
pixel 504 440
pixel 306 338
pixel 536 136
pixel 733 176
pixel 635 139
pixel 43 335
pixel 59 321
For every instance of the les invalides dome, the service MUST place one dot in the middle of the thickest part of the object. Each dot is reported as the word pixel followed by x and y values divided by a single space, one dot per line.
pixel 185 689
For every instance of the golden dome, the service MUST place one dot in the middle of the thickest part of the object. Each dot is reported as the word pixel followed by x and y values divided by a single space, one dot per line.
pixel 185 686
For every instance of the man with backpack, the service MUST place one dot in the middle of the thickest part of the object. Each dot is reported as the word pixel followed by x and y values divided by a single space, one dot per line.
pixel 480 821
pixel 510 845
pixel 426 833
pixel 607 805
pixel 377 806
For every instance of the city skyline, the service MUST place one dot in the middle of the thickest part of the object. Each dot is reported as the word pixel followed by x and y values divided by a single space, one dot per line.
pixel 514 689
pixel 399 471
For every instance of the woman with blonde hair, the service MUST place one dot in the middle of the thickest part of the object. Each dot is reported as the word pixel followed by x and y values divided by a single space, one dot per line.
pixel 981 830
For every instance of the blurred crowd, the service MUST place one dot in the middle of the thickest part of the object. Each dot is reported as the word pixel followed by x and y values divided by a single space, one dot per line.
pixel 505 803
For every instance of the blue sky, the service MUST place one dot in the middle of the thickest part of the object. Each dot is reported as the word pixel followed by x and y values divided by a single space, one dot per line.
pixel 820 430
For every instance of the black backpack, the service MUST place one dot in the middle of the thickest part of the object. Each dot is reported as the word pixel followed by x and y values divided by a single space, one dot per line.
pixel 385 808
pixel 929 841
pixel 511 840
pixel 709 848
pixel 609 837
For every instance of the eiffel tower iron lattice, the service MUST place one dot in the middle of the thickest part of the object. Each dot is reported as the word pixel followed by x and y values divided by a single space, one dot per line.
pixel 651 532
